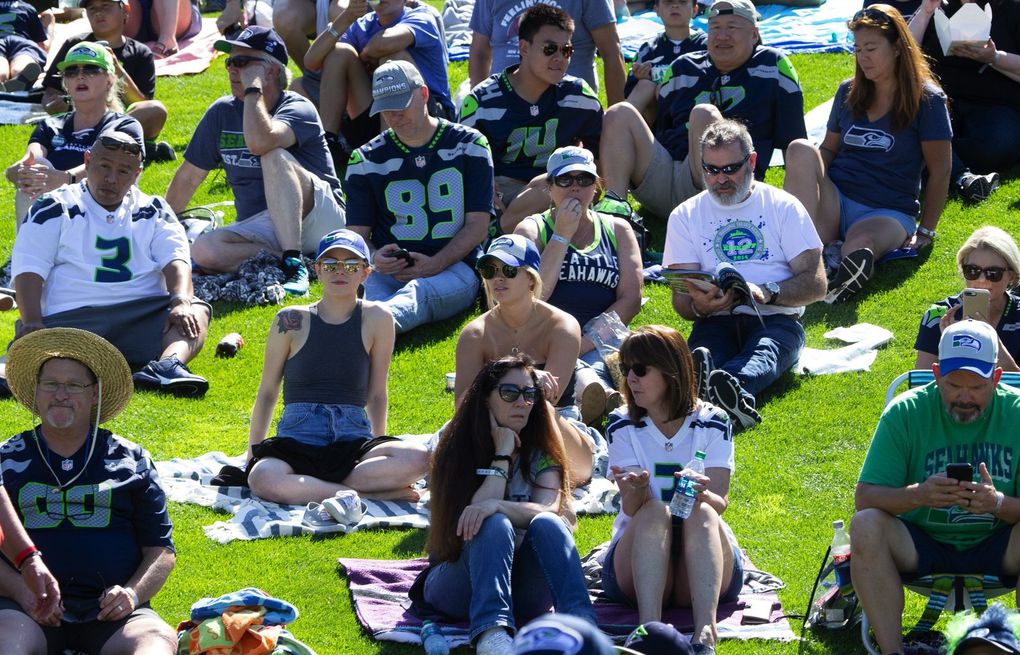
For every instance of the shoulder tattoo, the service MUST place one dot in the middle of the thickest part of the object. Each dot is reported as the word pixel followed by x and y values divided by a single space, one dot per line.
pixel 289 320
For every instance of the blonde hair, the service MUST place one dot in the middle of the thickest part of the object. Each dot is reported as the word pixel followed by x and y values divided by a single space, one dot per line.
pixel 113 102
pixel 998 241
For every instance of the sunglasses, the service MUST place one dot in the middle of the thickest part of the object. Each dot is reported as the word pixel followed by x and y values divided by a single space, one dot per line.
pixel 550 49
pixel 879 17
pixel 111 143
pixel 639 370
pixel 728 169
pixel 992 273
pixel 240 61
pixel 567 181
pixel 349 265
pixel 489 271
pixel 88 70
pixel 511 392
pixel 73 388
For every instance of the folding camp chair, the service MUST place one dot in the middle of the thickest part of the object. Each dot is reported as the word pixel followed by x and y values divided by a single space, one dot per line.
pixel 945 592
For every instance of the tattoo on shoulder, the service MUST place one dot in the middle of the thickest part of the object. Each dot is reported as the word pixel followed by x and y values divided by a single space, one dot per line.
pixel 290 320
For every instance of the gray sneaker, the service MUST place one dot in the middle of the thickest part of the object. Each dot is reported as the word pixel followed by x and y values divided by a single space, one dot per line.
pixel 172 376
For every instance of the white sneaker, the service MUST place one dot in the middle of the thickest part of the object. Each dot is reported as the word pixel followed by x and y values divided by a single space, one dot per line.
pixel 345 507
pixel 495 641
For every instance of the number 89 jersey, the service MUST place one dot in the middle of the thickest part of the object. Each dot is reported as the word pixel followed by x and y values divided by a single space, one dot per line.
pixel 89 256
pixel 418 197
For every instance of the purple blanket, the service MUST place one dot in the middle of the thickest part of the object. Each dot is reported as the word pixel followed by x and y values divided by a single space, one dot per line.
pixel 379 589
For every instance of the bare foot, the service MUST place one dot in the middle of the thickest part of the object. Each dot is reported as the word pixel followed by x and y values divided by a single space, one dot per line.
pixel 407 493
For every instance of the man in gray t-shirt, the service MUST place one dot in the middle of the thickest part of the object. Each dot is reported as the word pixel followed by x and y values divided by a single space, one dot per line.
pixel 494 42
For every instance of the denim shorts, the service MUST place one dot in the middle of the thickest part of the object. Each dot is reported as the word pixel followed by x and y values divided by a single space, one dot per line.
pixel 937 557
pixel 728 595
pixel 318 424
pixel 852 212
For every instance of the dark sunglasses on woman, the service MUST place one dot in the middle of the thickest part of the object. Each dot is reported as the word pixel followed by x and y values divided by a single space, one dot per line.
pixel 511 392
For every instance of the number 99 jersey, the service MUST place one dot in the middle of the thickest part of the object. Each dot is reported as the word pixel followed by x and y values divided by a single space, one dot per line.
pixel 418 197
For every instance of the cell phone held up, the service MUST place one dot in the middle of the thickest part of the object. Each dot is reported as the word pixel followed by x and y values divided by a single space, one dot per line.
pixel 962 472
pixel 976 303
pixel 403 254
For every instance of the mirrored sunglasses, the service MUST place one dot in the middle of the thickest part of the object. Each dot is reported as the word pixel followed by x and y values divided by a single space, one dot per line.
pixel 550 49
pixel 728 169
pixel 489 271
pixel 581 179
pixel 349 265
pixel 511 392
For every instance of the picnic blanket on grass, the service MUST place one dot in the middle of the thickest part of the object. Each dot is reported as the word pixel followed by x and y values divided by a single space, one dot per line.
pixel 187 481
pixel 379 589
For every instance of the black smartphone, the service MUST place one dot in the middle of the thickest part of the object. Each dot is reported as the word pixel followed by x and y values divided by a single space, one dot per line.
pixel 960 471
pixel 403 254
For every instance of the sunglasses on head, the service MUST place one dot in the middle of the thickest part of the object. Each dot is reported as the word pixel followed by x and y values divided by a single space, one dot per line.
pixel 991 273
pixel 639 369
pixel 879 17
pixel 489 271
pixel 88 70
pixel 240 61
pixel 728 169
pixel 111 143
pixel 349 265
pixel 511 392
pixel 550 49
pixel 567 181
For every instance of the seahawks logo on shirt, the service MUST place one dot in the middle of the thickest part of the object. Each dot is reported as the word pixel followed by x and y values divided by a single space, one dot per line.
pixel 869 138
pixel 739 241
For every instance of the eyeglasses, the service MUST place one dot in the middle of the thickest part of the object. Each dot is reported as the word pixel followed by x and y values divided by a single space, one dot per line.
pixel 240 61
pixel 73 388
pixel 870 13
pixel 349 265
pixel 991 273
pixel 567 181
pixel 511 392
pixel 728 169
pixel 639 370
pixel 550 49
pixel 111 143
pixel 489 271
pixel 88 70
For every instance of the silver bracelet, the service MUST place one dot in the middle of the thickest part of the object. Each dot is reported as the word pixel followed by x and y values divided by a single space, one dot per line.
pixel 999 498
pixel 494 471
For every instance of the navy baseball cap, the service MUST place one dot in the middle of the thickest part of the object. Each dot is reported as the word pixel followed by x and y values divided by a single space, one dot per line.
pixel 561 634
pixel 657 638
pixel 513 250
pixel 992 632
pixel 257 37
pixel 345 239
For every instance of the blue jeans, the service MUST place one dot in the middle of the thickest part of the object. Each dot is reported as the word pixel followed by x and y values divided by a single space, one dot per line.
pixel 984 137
pixel 319 424
pixel 424 300
pixel 756 355
pixel 594 359
pixel 493 584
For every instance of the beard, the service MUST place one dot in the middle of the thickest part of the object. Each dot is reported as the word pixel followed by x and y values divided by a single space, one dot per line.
pixel 731 192
pixel 965 412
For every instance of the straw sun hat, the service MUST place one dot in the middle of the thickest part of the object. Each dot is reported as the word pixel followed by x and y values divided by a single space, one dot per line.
pixel 27 355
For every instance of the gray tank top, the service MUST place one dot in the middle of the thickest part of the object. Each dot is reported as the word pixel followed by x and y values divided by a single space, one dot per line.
pixel 332 367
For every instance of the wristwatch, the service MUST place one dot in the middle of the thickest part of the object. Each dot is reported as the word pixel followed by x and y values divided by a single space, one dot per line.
pixel 773 289
pixel 252 89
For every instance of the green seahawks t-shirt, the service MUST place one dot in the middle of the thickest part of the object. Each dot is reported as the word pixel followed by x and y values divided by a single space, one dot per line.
pixel 916 438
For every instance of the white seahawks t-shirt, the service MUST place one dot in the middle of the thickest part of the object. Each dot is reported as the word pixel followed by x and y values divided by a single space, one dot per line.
pixel 91 256
pixel 642 444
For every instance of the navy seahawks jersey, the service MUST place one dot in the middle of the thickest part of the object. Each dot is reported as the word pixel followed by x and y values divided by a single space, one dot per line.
pixel 418 197
pixel 522 134
pixel 92 527
pixel 662 50
pixel 764 94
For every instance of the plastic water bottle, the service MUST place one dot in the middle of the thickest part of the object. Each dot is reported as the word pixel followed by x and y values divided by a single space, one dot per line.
pixel 841 554
pixel 432 640
pixel 685 495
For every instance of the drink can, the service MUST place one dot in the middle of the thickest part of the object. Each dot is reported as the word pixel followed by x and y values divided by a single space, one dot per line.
pixel 229 345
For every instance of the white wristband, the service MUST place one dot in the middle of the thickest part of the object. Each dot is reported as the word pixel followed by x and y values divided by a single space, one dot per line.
pixel 500 473
pixel 560 239
pixel 999 498
pixel 134 595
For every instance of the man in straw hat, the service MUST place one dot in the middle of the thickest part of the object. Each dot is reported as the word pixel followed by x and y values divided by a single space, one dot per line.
pixel 90 501
pixel 102 256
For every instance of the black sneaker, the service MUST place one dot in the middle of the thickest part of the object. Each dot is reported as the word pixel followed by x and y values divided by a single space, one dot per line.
pixel 702 369
pixel 25 79
pixel 170 375
pixel 159 151
pixel 854 271
pixel 976 188
pixel 295 276
pixel 725 392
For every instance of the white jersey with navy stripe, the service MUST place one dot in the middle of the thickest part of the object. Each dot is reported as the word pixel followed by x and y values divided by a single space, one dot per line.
pixel 90 256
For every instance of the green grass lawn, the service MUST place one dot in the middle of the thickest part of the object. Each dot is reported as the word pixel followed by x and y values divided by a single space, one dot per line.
pixel 795 472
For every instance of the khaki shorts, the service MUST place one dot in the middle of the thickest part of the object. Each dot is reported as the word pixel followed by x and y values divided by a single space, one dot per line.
pixel 667 183
pixel 326 215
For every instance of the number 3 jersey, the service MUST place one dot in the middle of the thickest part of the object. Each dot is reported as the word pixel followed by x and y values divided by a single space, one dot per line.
pixel 91 256
pixel 522 134
pixel 90 527
pixel 418 197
